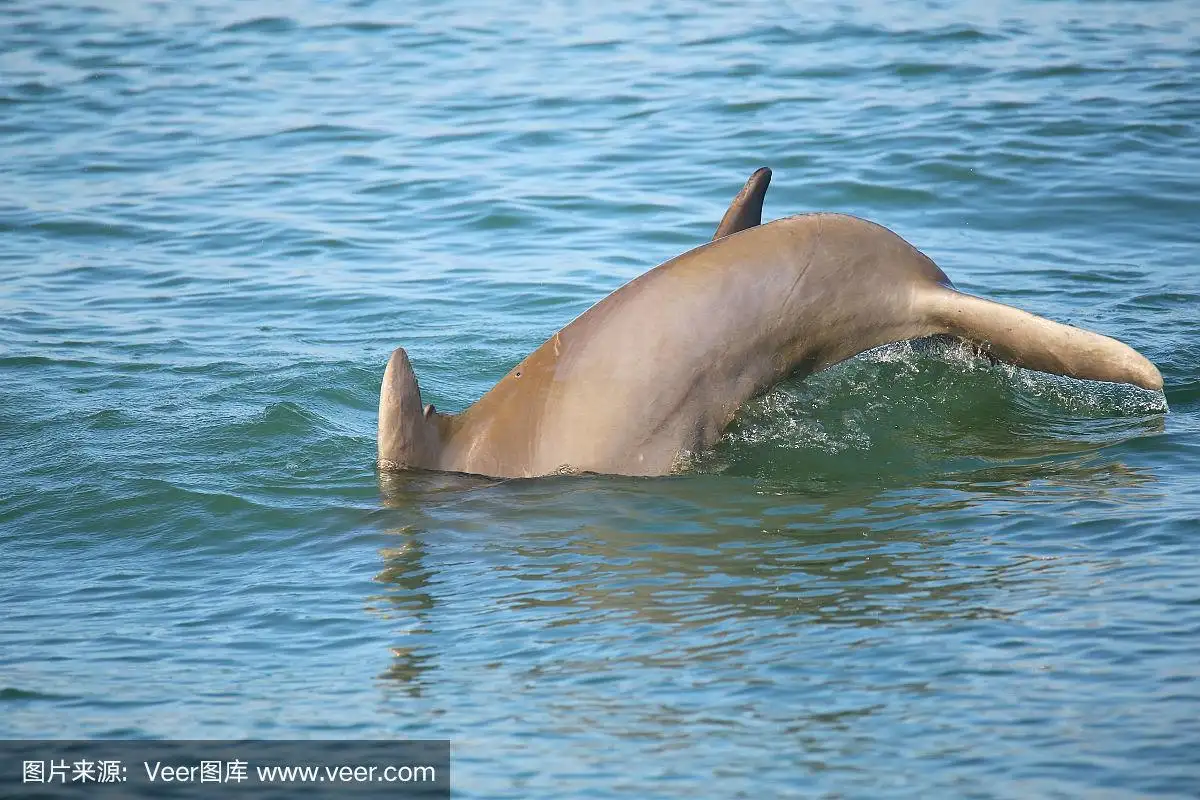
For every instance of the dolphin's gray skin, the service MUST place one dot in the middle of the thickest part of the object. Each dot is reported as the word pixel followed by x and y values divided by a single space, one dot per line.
pixel 658 369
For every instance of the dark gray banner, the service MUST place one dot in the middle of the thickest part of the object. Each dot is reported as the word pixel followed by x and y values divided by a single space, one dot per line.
pixel 211 770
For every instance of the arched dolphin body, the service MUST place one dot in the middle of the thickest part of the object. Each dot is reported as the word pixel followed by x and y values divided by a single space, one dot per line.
pixel 658 369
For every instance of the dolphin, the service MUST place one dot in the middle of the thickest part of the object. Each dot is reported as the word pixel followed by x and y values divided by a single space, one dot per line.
pixel 657 370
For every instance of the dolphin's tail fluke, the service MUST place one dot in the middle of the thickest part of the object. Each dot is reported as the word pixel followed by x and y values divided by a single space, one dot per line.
pixel 405 437
pixel 1034 342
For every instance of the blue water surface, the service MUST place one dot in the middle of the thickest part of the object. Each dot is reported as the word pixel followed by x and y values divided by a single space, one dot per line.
pixel 914 575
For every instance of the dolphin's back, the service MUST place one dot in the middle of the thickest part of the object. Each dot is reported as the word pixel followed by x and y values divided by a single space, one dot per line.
pixel 661 365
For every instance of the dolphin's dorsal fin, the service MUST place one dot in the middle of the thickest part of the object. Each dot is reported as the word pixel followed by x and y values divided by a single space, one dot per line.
pixel 746 209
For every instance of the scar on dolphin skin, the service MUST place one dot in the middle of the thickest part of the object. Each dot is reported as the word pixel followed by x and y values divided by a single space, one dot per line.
pixel 655 370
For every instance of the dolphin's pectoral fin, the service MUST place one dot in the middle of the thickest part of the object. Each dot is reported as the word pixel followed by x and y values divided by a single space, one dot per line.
pixel 746 209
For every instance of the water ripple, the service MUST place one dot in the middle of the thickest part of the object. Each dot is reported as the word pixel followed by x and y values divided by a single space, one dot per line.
pixel 916 573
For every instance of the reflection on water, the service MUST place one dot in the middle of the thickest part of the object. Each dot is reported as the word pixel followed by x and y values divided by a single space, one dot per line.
pixel 684 613
pixel 408 601
pixel 724 552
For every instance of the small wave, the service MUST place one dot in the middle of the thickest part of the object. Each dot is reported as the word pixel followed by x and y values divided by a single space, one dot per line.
pixel 950 33
pixel 859 193
pixel 1163 301
pixel 1096 399
pixel 13 694
pixel 35 89
pixel 785 35
pixel 926 407
pixel 276 422
pixel 362 26
pixel 262 25
pixel 93 228
pixel 1056 71
pixel 918 69
pixel 110 419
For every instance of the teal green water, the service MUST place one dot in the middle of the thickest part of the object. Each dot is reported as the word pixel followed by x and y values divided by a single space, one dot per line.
pixel 915 575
